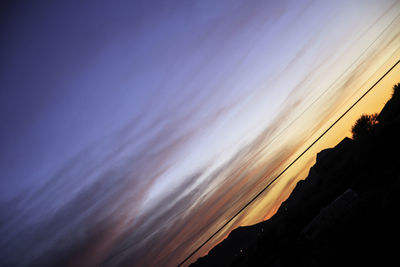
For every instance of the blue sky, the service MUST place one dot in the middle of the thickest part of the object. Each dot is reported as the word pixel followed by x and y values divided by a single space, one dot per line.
pixel 127 120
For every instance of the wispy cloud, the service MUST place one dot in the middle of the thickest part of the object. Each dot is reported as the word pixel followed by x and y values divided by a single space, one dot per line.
pixel 174 118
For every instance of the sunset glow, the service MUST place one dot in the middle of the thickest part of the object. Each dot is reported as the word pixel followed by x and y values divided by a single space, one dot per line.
pixel 131 131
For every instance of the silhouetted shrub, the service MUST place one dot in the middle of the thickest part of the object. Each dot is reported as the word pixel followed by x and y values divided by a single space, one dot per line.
pixel 364 126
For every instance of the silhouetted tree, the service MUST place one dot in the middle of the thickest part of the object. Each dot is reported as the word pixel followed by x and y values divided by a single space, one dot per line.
pixel 364 126
pixel 396 91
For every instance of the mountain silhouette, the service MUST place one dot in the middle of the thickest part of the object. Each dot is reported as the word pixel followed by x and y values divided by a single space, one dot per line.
pixel 343 213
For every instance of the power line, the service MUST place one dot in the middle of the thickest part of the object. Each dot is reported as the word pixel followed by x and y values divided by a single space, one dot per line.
pixel 275 137
pixel 294 161
pixel 334 82
pixel 292 122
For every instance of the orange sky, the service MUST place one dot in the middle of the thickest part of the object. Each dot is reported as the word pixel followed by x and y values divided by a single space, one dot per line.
pixel 270 201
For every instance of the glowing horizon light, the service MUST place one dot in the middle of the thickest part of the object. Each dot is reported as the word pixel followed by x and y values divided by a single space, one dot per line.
pixel 132 131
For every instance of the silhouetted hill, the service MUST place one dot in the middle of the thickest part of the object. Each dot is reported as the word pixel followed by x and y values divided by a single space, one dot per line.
pixel 343 213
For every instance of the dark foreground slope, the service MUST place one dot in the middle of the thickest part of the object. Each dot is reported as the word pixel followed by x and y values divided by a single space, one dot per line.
pixel 344 213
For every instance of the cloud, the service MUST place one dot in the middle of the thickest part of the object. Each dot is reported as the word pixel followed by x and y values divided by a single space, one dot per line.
pixel 119 199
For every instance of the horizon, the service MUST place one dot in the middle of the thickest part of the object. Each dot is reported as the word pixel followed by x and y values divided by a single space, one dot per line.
pixel 132 132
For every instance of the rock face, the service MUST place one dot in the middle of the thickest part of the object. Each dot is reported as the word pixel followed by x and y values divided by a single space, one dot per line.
pixel 344 212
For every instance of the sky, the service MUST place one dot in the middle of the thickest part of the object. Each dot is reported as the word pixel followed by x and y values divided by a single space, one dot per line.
pixel 130 131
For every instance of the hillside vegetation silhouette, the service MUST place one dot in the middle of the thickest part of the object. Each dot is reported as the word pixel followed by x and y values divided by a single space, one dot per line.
pixel 343 213
pixel 364 126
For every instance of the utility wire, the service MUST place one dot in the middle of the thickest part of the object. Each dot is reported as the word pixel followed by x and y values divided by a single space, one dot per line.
pixel 274 138
pixel 294 161
pixel 292 122
pixel 333 83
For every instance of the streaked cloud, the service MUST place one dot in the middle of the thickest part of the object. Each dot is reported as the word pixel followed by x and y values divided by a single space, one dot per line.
pixel 138 129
